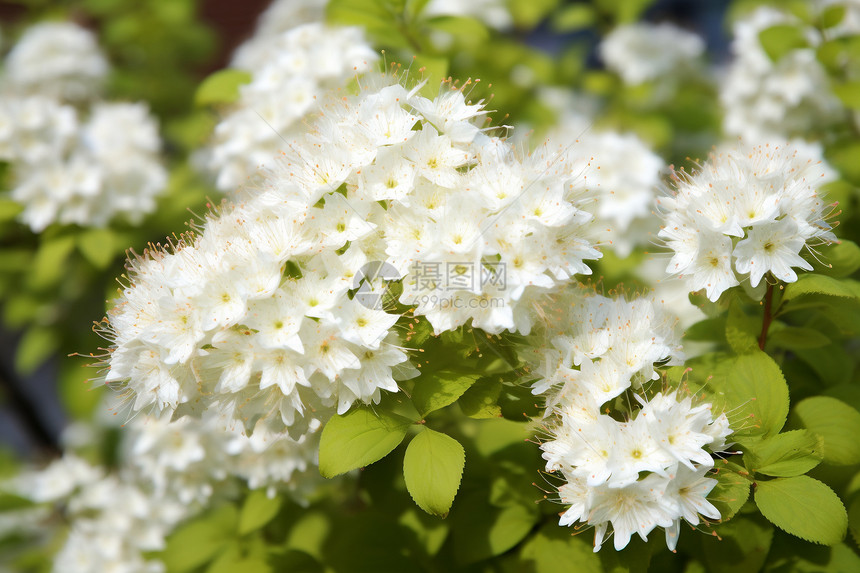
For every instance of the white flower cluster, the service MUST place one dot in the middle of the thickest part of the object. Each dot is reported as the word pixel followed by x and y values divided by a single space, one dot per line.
pixel 57 60
pixel 254 316
pixel 168 472
pixel 607 347
pixel 644 52
pixel 764 99
pixel 69 169
pixel 291 71
pixel 112 521
pixel 747 212
pixel 279 17
pixel 620 174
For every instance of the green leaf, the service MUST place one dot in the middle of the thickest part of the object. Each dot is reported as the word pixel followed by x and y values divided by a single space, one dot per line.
pixel 9 209
pixel 848 93
pixel 197 542
pixel 430 532
pixel 573 17
pixel 481 400
pixel 842 259
pixel 751 387
pixel 785 455
pixel 467 30
pixel 838 425
pixel 854 519
pixel 779 40
pixel 481 530
pixel 98 246
pixel 797 338
pixel 741 330
pixel 831 363
pixel 257 511
pixel 732 489
pixel 37 344
pixel 554 549
pixel 294 561
pixel 222 87
pixel 832 15
pixel 741 546
pixel 434 70
pixel 359 438
pixel 439 389
pixel 50 264
pixel 845 156
pixel 231 560
pixel 818 284
pixel 432 467
pixel 803 507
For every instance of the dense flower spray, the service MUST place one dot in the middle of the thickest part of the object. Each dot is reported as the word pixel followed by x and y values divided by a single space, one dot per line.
pixel 647 470
pixel 746 212
pixel 765 99
pixel 254 314
pixel 74 160
pixel 167 472
pixel 291 71
pixel 619 175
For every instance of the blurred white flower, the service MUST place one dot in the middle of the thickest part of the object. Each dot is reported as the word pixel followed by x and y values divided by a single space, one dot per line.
pixel 56 59
pixel 644 52
pixel 763 99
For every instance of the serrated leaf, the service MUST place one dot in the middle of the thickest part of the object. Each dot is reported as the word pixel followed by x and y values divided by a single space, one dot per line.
pixel 732 489
pixel 359 438
pixel 433 467
pixel 440 389
pixel 257 511
pixel 222 87
pixel 781 39
pixel 797 338
pixel 751 387
pixel 785 455
pixel 818 284
pixel 97 245
pixel 838 425
pixel 803 507
pixel 481 400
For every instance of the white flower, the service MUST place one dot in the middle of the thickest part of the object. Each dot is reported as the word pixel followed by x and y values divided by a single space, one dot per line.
pixel 56 59
pixel 763 99
pixel 87 174
pixel 746 212
pixel 644 52
pixel 293 63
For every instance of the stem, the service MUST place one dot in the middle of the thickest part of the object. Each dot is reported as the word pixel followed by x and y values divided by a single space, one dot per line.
pixel 768 317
